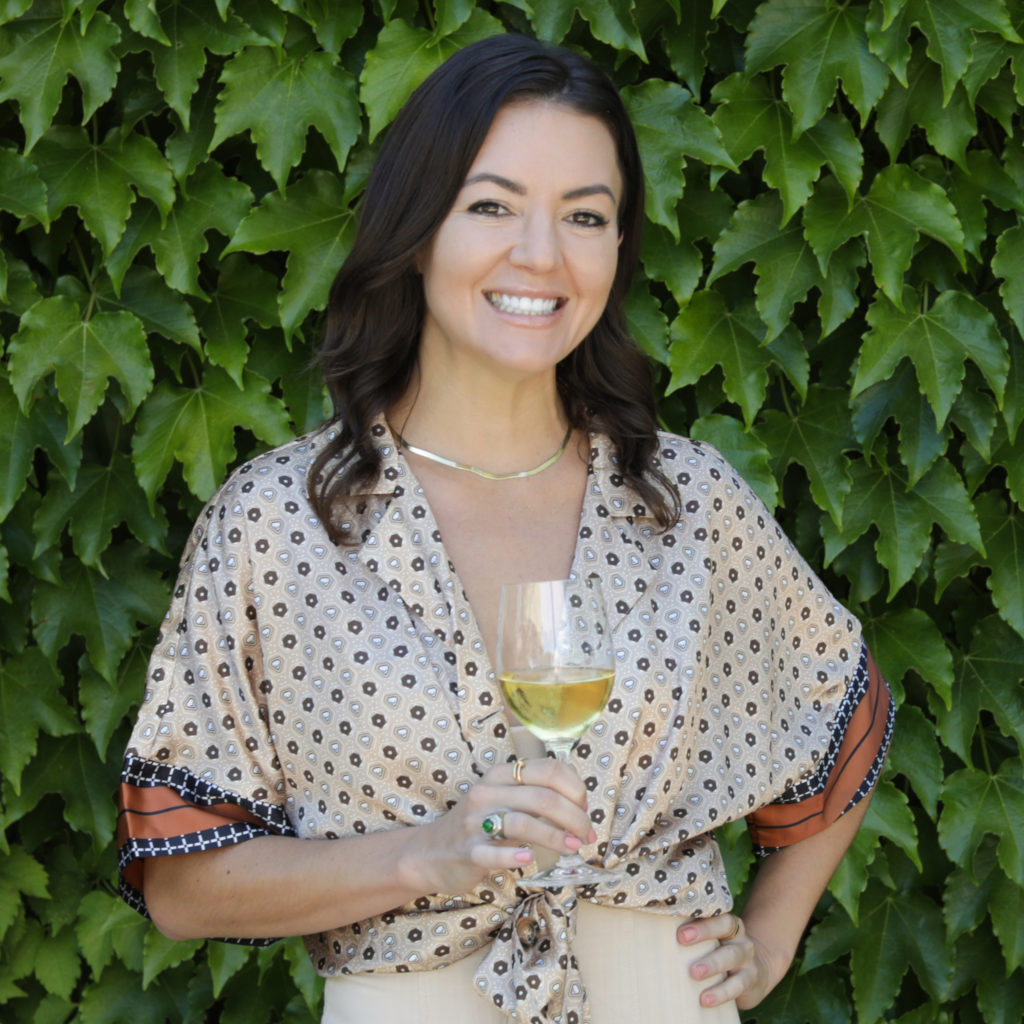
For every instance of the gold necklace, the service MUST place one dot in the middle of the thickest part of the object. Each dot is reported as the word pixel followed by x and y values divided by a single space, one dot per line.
pixel 467 468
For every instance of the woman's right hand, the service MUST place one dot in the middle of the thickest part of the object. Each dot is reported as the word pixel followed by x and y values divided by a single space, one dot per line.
pixel 548 808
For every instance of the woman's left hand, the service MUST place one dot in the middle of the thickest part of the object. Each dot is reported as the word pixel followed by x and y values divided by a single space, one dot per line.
pixel 747 967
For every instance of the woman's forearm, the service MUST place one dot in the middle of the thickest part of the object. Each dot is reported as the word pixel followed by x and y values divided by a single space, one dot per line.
pixel 274 886
pixel 788 884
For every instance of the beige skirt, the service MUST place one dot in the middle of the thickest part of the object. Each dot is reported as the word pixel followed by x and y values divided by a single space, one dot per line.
pixel 632 966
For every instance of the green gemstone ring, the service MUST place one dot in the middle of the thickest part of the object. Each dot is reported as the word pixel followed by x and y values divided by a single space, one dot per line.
pixel 493 826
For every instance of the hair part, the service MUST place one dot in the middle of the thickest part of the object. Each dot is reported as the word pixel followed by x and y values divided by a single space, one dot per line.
pixel 376 307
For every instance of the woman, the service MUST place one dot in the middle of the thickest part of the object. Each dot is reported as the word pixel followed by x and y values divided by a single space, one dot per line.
pixel 325 669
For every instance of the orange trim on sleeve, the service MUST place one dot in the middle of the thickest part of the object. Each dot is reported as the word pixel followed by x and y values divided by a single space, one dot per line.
pixel 158 812
pixel 784 824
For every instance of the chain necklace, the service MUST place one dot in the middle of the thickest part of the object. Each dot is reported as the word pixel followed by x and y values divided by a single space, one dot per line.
pixel 467 468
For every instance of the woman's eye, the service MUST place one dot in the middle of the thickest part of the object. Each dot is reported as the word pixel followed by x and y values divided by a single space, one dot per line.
pixel 588 219
pixel 488 208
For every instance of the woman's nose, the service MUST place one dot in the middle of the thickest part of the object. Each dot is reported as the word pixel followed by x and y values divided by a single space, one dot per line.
pixel 537 248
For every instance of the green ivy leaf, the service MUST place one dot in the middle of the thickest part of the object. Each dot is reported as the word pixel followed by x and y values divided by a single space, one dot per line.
pixel 105 705
pixel 30 703
pixel 160 309
pixel 908 639
pixel 898 396
pixel 949 122
pixel 742 450
pixel 938 341
pixel 108 927
pixel 104 610
pixel 244 294
pixel 898 208
pixel 783 261
pixel 57 970
pixel 815 436
pixel 1006 262
pixel 647 324
pixel 977 803
pixel 278 98
pixel 820 44
pixel 196 427
pixel 189 146
pixel 103 497
pixel 19 873
pixel 22 191
pixel 612 22
pixel 677 264
pixel 1002 530
pixel 751 117
pixel 192 28
pixel 211 202
pixel 160 953
pixel 53 337
pixel 838 291
pixel 1010 455
pixel 987 679
pixel 41 49
pixel 101 180
pixel 21 436
pixel 315 227
pixel 225 960
pixel 707 334
pixel 669 127
pixel 808 998
pixel 950 27
pixel 904 516
pixel 968 894
pixel 916 755
pixel 897 930
pixel 686 43
pixel 404 56
pixel 70 768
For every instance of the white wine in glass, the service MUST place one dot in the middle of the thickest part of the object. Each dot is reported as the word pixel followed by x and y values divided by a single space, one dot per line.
pixel 556 669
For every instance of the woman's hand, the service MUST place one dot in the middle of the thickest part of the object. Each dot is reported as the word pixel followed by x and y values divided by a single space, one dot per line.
pixel 750 968
pixel 547 808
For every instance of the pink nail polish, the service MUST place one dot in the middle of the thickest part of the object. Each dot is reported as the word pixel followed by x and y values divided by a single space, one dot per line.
pixel 573 843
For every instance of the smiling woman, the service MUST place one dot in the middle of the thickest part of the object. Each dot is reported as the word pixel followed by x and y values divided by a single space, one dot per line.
pixel 324 748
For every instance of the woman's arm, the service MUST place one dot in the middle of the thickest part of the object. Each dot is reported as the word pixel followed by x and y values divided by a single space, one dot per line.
pixel 274 886
pixel 783 895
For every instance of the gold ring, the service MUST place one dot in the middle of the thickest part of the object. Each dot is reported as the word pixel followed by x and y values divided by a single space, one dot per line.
pixel 517 771
pixel 735 930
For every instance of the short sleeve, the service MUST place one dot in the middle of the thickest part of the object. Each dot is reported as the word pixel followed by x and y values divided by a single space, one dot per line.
pixel 861 733
pixel 200 771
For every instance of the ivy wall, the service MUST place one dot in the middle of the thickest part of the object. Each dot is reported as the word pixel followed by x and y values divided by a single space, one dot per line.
pixel 831 285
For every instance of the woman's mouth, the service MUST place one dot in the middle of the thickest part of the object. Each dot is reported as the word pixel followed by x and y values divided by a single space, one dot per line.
pixel 522 305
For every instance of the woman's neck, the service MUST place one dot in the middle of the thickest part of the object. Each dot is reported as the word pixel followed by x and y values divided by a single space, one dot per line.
pixel 497 426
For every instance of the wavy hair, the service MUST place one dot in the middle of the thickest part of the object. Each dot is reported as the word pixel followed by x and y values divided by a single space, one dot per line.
pixel 376 307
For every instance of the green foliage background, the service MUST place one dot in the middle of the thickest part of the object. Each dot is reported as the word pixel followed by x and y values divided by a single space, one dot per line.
pixel 835 200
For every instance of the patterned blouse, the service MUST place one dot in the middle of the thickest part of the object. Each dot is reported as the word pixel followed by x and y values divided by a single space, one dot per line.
pixel 307 689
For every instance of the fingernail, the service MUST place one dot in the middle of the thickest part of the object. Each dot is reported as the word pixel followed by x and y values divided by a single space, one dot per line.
pixel 708 1000
pixel 591 836
pixel 524 856
pixel 573 843
pixel 689 934
pixel 699 971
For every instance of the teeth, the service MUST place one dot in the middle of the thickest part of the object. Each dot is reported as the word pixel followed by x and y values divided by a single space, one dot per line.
pixel 521 304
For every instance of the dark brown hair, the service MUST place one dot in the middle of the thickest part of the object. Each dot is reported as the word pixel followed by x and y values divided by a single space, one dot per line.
pixel 376 308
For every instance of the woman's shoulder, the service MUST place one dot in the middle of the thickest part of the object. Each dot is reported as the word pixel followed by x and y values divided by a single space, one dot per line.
pixel 686 458
pixel 267 488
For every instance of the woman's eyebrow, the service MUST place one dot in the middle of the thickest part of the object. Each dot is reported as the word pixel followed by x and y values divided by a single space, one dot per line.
pixel 519 190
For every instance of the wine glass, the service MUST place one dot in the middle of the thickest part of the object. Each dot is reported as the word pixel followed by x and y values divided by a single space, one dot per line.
pixel 556 668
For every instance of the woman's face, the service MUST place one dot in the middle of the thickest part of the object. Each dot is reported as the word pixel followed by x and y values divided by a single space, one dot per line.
pixel 521 268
